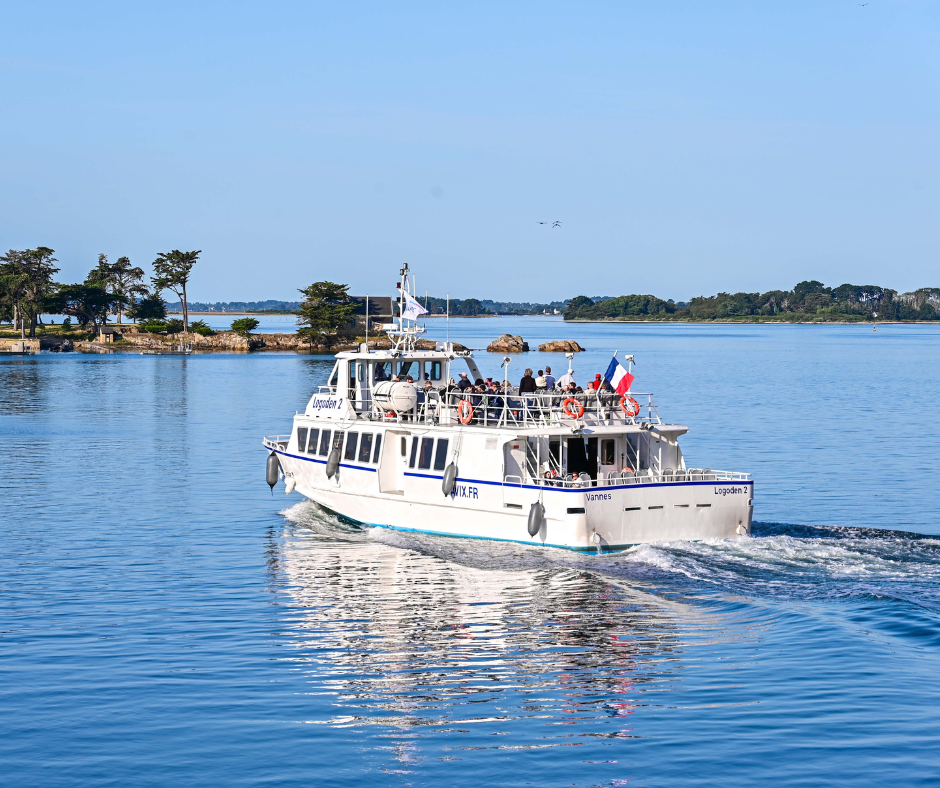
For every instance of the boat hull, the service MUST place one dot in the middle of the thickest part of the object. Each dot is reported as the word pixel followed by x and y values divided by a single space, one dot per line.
pixel 584 519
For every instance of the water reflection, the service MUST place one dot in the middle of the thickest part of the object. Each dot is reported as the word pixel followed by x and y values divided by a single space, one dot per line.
pixel 20 387
pixel 417 643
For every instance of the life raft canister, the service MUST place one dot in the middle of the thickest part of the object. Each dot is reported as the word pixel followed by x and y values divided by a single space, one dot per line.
pixel 465 412
pixel 577 411
pixel 630 411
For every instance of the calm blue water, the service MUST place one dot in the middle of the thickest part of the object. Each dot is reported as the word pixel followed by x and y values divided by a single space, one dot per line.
pixel 165 621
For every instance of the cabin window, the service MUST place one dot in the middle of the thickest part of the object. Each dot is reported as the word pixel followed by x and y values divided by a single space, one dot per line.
pixel 333 378
pixel 378 448
pixel 440 457
pixel 381 372
pixel 338 439
pixel 312 445
pixel 352 443
pixel 404 447
pixel 365 447
pixel 324 443
pixel 608 455
pixel 361 370
pixel 427 447
pixel 435 370
pixel 301 439
pixel 404 368
pixel 414 452
pixel 554 449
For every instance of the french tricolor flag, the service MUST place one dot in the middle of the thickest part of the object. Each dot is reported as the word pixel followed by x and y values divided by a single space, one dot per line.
pixel 618 377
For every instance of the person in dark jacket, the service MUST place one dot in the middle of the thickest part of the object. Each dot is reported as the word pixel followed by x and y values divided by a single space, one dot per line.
pixel 527 384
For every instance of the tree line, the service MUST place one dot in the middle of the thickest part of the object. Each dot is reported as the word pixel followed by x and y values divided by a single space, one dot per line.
pixel 473 307
pixel 809 301
pixel 28 289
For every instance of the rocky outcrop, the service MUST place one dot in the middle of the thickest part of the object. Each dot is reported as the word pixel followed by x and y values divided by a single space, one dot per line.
pixel 561 346
pixel 508 343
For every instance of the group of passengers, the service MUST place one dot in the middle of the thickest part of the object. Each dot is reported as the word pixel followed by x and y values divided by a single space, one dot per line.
pixel 566 384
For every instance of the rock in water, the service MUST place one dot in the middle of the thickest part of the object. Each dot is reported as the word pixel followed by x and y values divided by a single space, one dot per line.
pixel 561 346
pixel 507 343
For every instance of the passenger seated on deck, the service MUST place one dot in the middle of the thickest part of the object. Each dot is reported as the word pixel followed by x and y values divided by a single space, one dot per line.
pixel 565 380
pixel 464 382
pixel 380 373
pixel 540 383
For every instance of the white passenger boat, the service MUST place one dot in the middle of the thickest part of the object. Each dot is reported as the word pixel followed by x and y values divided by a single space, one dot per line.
pixel 591 471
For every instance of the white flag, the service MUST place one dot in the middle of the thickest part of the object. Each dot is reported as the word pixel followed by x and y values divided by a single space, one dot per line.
pixel 412 308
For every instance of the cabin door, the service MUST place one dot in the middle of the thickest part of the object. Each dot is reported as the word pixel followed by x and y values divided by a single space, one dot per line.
pixel 514 472
pixel 392 467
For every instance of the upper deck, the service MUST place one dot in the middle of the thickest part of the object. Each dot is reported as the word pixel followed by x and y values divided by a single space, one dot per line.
pixel 417 387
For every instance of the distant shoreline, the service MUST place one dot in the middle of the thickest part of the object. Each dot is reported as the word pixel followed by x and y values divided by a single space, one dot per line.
pixel 742 322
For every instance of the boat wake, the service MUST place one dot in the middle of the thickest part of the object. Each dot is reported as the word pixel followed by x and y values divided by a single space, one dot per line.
pixel 780 561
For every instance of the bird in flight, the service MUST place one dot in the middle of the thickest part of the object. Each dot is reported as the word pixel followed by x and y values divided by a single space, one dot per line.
pixel 557 224
pixel 541 222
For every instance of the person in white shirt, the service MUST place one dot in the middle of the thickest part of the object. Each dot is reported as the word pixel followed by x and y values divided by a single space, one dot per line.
pixel 565 380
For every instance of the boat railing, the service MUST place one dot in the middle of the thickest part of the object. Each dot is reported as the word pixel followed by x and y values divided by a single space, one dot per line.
pixel 622 478
pixel 278 442
pixel 512 409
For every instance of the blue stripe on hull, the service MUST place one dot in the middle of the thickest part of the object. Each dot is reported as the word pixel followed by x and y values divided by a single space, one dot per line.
pixel 590 549
pixel 522 486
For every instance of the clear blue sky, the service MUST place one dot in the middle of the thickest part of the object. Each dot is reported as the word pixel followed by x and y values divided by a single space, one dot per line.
pixel 686 147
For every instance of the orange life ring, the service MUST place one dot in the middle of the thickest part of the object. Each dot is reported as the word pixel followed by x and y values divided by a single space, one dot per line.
pixel 465 412
pixel 631 411
pixel 577 412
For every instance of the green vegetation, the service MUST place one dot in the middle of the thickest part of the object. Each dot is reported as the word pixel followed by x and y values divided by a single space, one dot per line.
pixel 25 284
pixel 172 271
pixel 473 307
pixel 809 301
pixel 244 326
pixel 149 309
pixel 87 303
pixel 325 308
pixel 201 327
pixel 120 279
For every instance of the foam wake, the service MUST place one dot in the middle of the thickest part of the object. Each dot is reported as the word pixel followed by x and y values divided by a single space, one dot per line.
pixel 798 562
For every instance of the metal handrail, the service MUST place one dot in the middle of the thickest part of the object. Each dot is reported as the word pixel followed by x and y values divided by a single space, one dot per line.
pixel 510 408
pixel 643 477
